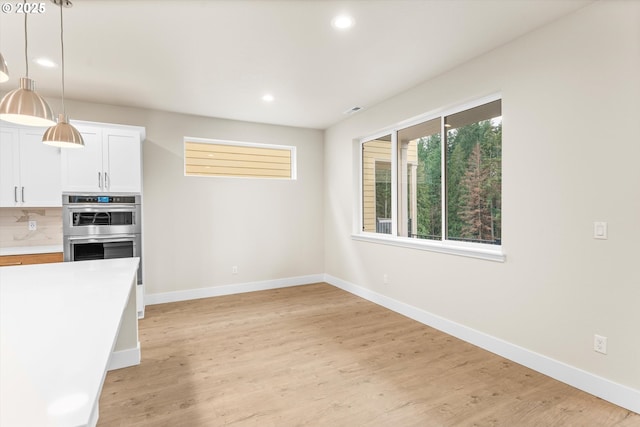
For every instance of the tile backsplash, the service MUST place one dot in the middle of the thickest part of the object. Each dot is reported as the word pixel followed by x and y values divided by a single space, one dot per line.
pixel 14 227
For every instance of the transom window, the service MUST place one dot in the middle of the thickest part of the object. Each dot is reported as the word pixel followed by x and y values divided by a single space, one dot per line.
pixel 210 157
pixel 438 179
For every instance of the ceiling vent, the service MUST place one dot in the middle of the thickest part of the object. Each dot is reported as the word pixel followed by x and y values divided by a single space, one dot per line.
pixel 352 110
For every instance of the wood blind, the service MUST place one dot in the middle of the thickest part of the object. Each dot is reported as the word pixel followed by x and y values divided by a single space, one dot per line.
pixel 215 159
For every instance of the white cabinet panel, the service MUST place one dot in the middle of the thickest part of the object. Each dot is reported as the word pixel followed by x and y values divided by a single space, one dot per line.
pixel 82 167
pixel 109 163
pixel 30 175
pixel 39 171
pixel 122 155
pixel 9 167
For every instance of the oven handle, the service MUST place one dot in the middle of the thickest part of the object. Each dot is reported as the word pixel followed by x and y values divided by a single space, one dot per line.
pixel 120 238
pixel 91 209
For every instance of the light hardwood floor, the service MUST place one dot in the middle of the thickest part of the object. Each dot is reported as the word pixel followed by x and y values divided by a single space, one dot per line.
pixel 318 356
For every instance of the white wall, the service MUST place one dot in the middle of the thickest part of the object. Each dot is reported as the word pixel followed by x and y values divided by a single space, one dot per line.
pixel 571 147
pixel 197 228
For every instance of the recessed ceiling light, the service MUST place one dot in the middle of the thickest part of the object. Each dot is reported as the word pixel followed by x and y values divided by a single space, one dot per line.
pixel 342 22
pixel 45 62
pixel 268 98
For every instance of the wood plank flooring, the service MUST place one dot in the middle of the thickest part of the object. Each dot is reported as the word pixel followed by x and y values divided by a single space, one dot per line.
pixel 318 356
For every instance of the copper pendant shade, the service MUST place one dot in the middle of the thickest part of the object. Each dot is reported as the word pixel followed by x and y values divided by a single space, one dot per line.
pixel 23 105
pixel 63 134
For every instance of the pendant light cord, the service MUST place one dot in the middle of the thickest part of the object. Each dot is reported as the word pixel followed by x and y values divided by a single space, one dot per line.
pixel 26 59
pixel 62 45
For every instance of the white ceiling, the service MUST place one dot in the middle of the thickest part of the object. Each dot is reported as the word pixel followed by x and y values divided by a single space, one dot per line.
pixel 217 58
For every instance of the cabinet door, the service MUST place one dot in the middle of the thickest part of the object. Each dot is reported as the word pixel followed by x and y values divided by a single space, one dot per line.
pixel 9 167
pixel 123 161
pixel 39 171
pixel 82 167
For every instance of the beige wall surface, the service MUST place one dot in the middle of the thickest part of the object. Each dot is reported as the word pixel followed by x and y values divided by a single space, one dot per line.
pixel 571 117
pixel 197 228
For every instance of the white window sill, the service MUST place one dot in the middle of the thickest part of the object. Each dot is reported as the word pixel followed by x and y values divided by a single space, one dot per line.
pixel 472 250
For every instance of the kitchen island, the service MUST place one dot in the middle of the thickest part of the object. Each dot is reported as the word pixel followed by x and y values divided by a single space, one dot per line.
pixel 62 326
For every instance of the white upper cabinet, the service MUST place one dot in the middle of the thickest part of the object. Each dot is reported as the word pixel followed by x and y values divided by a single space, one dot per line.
pixel 40 170
pixel 110 162
pixel 82 167
pixel 9 167
pixel 29 169
pixel 122 159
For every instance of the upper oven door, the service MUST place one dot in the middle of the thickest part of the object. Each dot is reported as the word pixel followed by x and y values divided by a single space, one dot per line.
pixel 91 220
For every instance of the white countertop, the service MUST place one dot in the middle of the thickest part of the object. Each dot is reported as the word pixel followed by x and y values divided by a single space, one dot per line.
pixel 28 250
pixel 58 326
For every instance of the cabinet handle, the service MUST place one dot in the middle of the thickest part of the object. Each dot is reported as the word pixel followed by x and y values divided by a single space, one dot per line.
pixel 15 193
pixel 106 181
pixel 100 180
pixel 22 194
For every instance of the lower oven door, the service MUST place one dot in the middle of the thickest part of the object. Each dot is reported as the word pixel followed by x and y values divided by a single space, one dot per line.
pixel 103 247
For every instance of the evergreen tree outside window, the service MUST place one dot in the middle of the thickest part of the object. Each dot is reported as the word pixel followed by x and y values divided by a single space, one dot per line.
pixel 419 160
pixel 474 174
pixel 448 184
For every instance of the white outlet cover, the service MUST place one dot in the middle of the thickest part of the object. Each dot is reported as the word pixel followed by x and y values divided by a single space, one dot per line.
pixel 600 344
pixel 33 226
pixel 600 230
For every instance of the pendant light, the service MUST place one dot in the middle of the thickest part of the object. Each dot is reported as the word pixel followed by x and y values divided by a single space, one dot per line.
pixel 4 70
pixel 23 105
pixel 63 134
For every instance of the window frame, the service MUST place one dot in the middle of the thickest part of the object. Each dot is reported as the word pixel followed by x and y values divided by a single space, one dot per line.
pixel 484 251
pixel 292 149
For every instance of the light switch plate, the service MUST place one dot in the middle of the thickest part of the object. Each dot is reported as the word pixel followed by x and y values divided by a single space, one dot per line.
pixel 600 230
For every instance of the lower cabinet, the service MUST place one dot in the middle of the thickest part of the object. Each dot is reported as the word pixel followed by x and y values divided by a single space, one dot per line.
pixel 7 260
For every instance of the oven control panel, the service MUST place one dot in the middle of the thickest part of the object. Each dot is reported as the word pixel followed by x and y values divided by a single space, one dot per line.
pixel 85 199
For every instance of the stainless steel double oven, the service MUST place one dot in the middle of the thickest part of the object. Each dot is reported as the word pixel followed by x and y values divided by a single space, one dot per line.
pixel 102 226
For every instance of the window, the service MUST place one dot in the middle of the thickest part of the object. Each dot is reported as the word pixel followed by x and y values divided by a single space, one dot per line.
pixel 420 195
pixel 474 178
pixel 204 157
pixel 438 180
pixel 376 185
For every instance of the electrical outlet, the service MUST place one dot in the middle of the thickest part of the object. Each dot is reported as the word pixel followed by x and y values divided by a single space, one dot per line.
pixel 600 344
pixel 600 230
pixel 234 269
pixel 385 279
pixel 33 226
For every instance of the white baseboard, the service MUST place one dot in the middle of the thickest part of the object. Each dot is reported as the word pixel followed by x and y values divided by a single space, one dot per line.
pixel 124 358
pixel 215 291
pixel 618 394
